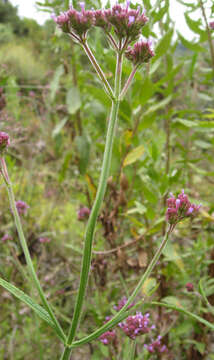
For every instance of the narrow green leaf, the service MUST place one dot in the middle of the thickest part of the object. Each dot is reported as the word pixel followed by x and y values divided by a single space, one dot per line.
pixel 186 312
pixel 159 105
pixel 194 25
pixel 59 127
pixel 55 82
pixel 163 45
pixel 73 100
pixel 42 313
pixel 190 45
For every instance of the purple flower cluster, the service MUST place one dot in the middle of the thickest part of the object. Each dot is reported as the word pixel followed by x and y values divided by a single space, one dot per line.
pixel 121 304
pixel 6 237
pixel 179 208
pixel 211 24
pixel 83 213
pixel 126 22
pixel 22 207
pixel 156 346
pixel 4 141
pixel 44 240
pixel 140 53
pixel 109 337
pixel 136 325
pixel 189 287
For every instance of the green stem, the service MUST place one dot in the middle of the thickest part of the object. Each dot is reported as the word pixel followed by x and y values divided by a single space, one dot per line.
pixel 133 344
pixel 23 242
pixel 98 70
pixel 89 235
pixel 122 313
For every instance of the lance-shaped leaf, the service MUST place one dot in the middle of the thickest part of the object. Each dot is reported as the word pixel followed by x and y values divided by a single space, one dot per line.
pixel 42 313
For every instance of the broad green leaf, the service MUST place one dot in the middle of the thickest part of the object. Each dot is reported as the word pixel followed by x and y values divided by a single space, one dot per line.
pixel 133 155
pixel 171 300
pixel 59 127
pixel 55 82
pixel 73 100
pixel 163 45
pixel 42 313
pixel 190 45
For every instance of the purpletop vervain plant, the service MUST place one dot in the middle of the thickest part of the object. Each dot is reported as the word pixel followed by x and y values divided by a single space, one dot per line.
pixel 122 26
pixel 4 141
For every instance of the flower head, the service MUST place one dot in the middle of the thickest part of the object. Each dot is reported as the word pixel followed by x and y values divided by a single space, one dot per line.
pixel 179 208
pixel 189 287
pixel 75 21
pixel 109 337
pixel 140 53
pixel 211 24
pixel 136 325
pixel 121 304
pixel 6 237
pixel 22 207
pixel 156 346
pixel 127 23
pixel 83 213
pixel 4 141
pixel 44 240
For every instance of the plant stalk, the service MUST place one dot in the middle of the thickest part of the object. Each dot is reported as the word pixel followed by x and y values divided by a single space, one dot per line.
pixel 120 315
pixel 23 242
pixel 98 70
pixel 89 235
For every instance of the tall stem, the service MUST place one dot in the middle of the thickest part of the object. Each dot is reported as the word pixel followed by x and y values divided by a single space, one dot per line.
pixel 23 242
pixel 119 316
pixel 208 33
pixel 98 70
pixel 89 235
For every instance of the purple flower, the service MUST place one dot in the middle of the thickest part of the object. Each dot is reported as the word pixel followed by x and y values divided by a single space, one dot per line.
pixel 4 141
pixel 121 304
pixel 109 337
pixel 136 325
pixel 189 287
pixel 211 24
pixel 22 207
pixel 180 208
pixel 6 237
pixel 83 213
pixel 44 240
pixel 156 346
pixel 140 53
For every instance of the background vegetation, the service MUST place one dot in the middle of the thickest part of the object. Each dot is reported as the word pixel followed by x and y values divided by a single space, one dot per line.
pixel 55 111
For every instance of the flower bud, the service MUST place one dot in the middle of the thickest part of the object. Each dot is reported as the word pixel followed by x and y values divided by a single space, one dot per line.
pixel 4 141
pixel 140 53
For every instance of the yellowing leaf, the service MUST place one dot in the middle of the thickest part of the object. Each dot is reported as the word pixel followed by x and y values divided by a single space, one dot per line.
pixel 133 155
pixel 91 185
pixel 206 215
pixel 149 286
